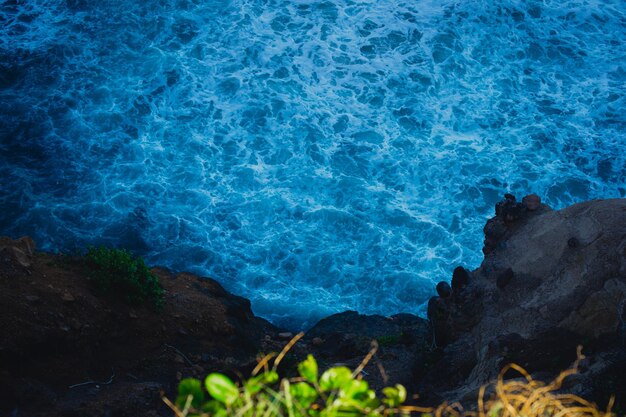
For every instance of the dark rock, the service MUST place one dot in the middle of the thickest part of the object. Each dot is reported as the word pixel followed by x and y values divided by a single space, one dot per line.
pixel 495 228
pixel 460 278
pixel 573 242
pixel 532 202
pixel 514 212
pixel 494 231
pixel 504 278
pixel 431 310
pixel 439 315
pixel 509 209
pixel 503 205
pixel 443 289
pixel 553 303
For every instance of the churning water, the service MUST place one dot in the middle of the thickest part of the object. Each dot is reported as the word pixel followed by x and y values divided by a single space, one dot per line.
pixel 313 156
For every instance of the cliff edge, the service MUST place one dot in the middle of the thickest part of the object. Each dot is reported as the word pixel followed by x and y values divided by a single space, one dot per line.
pixel 550 281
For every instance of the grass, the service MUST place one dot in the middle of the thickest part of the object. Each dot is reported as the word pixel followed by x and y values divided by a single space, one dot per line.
pixel 340 392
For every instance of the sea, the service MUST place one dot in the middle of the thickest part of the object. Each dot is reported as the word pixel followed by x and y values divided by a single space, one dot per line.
pixel 314 156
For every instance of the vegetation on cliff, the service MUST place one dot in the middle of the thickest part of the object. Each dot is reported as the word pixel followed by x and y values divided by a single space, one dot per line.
pixel 117 272
pixel 341 392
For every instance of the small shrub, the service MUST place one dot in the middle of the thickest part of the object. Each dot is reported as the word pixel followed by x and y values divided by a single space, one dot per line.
pixel 117 272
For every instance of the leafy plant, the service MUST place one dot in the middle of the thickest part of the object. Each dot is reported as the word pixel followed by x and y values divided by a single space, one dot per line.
pixel 116 271
pixel 337 392
pixel 340 392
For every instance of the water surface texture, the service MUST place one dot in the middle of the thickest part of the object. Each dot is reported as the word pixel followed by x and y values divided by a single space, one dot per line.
pixel 313 156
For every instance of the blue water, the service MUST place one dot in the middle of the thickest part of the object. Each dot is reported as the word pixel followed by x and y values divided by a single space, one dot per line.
pixel 313 156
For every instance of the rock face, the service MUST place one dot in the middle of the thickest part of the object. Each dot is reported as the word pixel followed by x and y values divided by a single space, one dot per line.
pixel 536 296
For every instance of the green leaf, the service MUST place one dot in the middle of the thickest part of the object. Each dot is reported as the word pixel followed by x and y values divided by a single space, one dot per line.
pixel 213 407
pixel 360 392
pixel 346 407
pixel 401 393
pixel 395 395
pixel 269 377
pixel 303 393
pixel 335 378
pixel 256 383
pixel 221 388
pixel 187 387
pixel 308 369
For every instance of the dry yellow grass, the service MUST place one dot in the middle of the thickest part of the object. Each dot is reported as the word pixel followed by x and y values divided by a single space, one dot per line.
pixel 526 397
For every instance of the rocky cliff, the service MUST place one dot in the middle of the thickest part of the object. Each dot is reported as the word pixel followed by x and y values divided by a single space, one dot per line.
pixel 550 281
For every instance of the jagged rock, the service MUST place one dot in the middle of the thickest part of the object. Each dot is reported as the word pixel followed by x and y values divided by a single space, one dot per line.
pixel 532 202
pixel 439 314
pixel 509 210
pixel 443 289
pixel 555 298
pixel 495 228
pixel 601 313
pixel 431 310
pixel 460 278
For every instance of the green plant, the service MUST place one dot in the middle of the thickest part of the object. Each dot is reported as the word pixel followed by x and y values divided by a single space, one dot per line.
pixel 340 392
pixel 337 392
pixel 116 271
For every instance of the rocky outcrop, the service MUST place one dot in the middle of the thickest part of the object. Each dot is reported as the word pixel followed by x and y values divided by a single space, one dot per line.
pixel 550 280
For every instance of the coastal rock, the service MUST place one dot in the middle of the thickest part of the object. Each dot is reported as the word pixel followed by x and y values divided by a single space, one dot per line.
pixel 443 289
pixel 552 298
pixel 460 278
pixel 532 202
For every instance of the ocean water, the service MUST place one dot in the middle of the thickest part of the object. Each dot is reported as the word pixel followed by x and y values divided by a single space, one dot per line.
pixel 311 155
